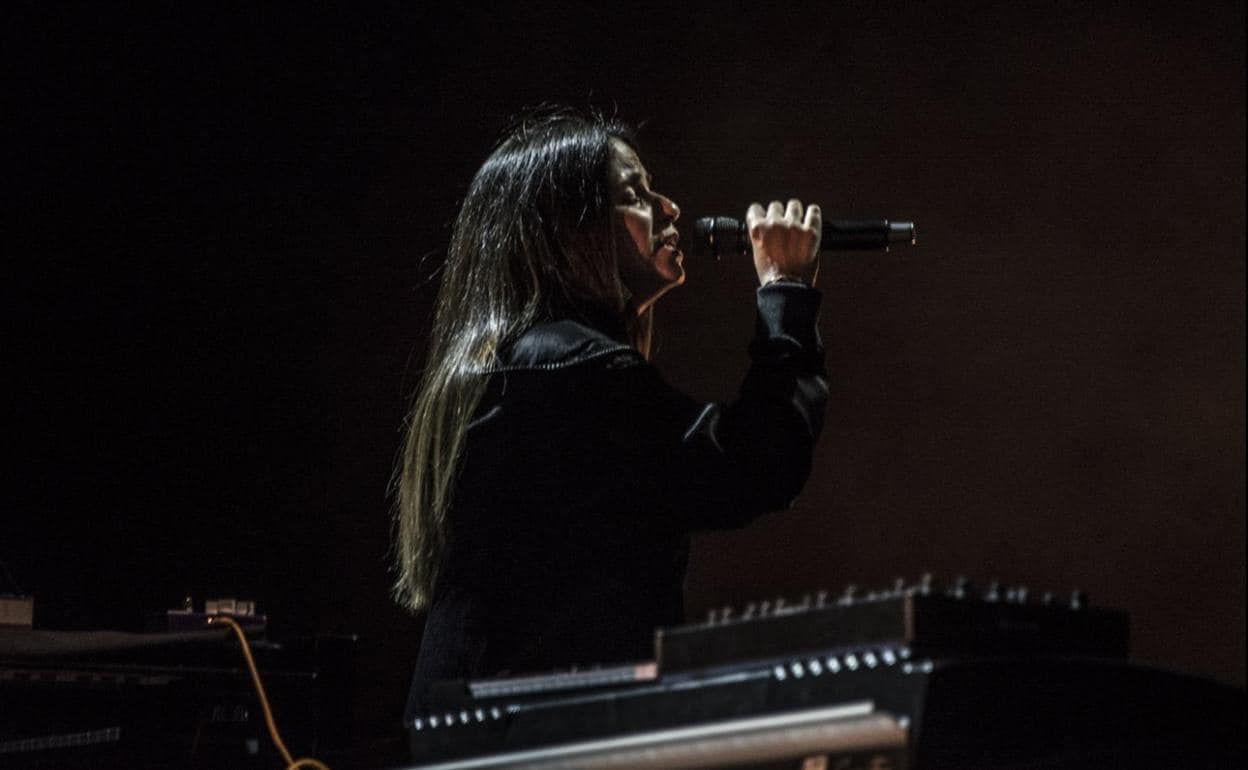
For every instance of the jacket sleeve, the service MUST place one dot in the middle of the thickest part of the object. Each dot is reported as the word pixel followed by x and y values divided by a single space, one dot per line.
pixel 711 466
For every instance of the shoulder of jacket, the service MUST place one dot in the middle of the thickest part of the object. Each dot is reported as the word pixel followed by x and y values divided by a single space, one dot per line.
pixel 564 344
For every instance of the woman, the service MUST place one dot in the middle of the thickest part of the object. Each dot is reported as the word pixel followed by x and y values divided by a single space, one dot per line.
pixel 550 478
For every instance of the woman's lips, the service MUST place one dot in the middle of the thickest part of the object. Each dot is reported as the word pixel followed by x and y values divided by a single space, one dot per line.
pixel 671 243
pixel 675 251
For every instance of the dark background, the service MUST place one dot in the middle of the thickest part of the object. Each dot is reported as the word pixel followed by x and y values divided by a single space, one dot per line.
pixel 224 229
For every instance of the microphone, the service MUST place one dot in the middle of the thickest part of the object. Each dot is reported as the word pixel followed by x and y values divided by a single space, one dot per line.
pixel 725 235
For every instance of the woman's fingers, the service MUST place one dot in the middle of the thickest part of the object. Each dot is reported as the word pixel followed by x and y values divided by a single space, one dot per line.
pixel 785 238
pixel 754 214
pixel 814 217
pixel 814 222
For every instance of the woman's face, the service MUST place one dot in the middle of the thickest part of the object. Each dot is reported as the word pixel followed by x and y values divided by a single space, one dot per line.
pixel 646 238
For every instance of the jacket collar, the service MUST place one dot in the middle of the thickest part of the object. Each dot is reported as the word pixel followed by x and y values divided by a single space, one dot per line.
pixel 565 342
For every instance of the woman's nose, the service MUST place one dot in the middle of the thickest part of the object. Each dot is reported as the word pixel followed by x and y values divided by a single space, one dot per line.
pixel 670 209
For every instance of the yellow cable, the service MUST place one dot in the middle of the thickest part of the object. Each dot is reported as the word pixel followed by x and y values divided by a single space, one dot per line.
pixel 291 764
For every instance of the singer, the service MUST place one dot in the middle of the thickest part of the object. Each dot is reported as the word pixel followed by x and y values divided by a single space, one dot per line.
pixel 550 478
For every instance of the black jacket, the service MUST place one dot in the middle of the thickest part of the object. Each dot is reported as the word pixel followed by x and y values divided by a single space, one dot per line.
pixel 584 474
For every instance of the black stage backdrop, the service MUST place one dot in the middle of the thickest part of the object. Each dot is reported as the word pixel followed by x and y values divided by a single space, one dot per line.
pixel 224 229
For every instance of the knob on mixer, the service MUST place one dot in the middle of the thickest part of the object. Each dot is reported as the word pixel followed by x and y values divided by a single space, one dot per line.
pixel 994 592
pixel 961 588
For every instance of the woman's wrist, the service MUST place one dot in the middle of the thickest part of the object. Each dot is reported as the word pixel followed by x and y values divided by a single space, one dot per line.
pixel 786 278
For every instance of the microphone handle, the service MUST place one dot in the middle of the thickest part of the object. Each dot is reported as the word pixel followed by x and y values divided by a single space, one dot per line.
pixel 726 235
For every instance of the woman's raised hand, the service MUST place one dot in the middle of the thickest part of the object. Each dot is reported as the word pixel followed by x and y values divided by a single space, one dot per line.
pixel 785 240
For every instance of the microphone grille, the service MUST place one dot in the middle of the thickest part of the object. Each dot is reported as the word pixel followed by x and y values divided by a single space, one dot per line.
pixel 722 235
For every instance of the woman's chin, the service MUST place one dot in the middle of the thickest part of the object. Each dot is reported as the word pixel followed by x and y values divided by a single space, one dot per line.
pixel 640 302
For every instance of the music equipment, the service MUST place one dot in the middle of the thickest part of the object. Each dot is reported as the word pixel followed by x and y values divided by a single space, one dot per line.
pixel 16 610
pixel 728 236
pixel 907 677
pixel 102 699
pixel 947 624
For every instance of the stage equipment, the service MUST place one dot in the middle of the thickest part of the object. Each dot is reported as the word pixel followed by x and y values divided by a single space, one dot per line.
pixel 103 699
pixel 909 677
pixel 726 236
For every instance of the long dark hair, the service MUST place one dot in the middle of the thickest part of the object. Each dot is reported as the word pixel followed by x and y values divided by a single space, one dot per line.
pixel 533 241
